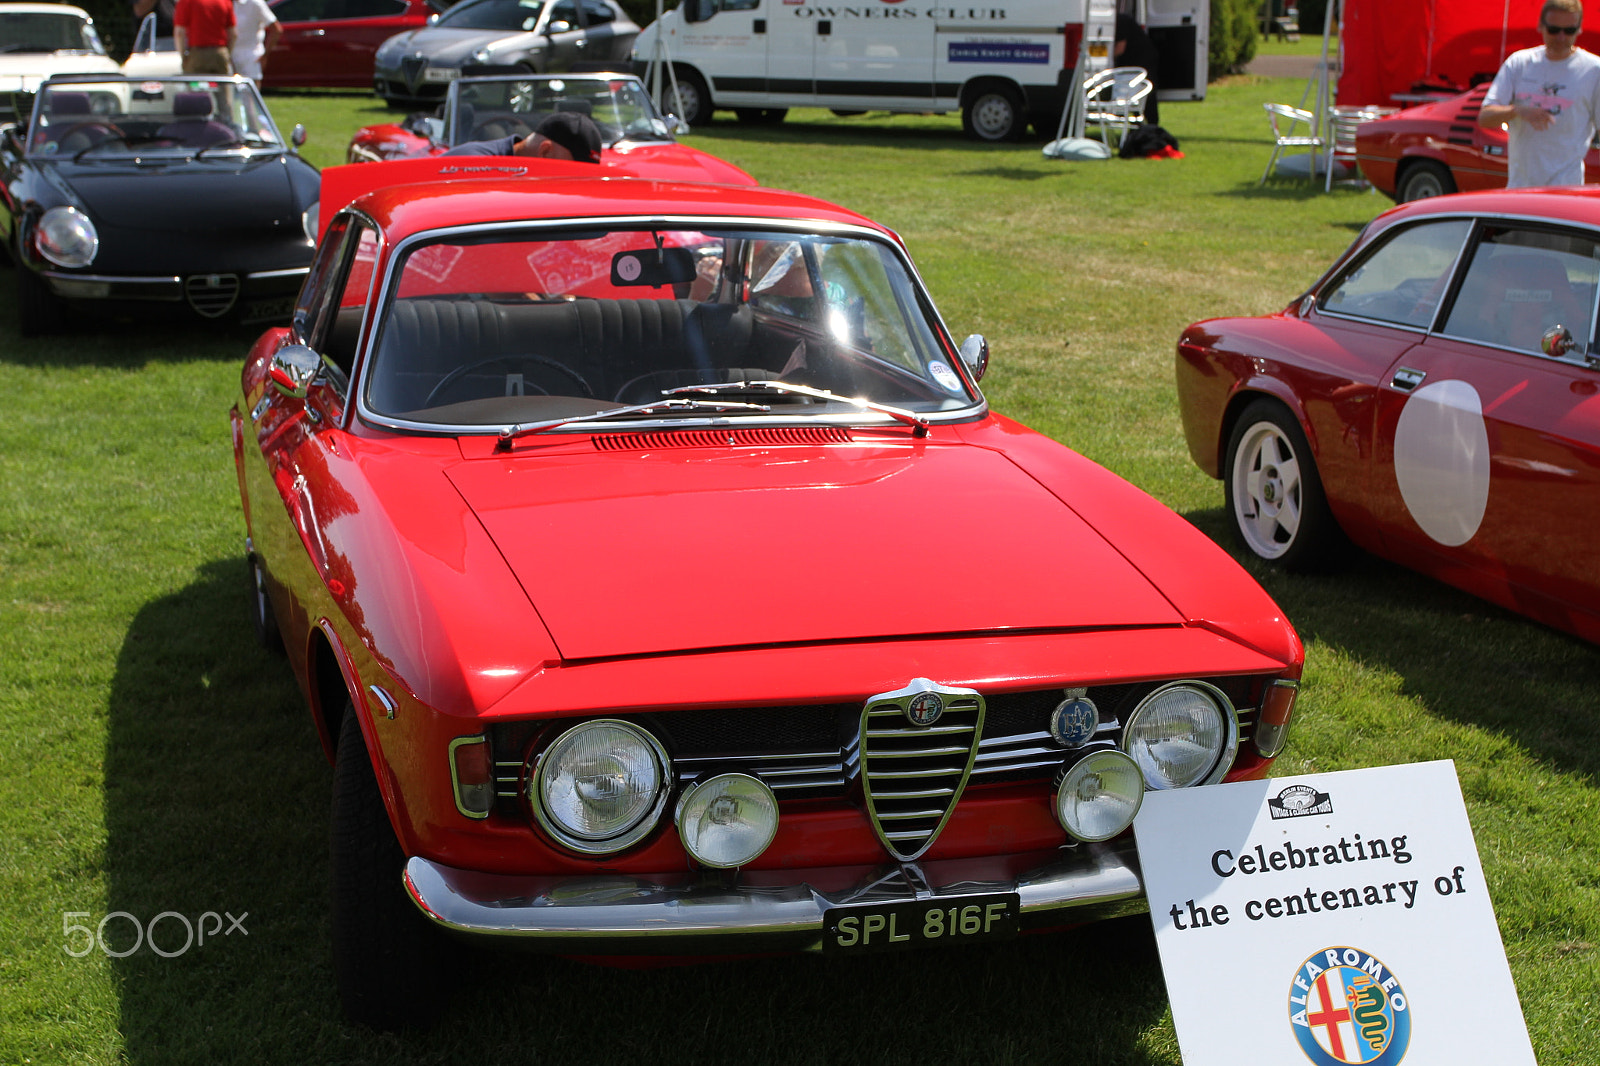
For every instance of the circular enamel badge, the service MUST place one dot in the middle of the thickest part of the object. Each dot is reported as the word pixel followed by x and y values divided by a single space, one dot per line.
pixel 1441 460
pixel 1346 1007
pixel 924 709
pixel 1074 721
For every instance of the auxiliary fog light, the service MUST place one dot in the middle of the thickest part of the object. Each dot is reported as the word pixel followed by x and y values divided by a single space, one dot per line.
pixel 601 786
pixel 1182 734
pixel 727 820
pixel 1098 795
pixel 67 238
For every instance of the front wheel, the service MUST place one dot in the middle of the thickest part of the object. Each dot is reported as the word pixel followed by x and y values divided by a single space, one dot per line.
pixel 994 114
pixel 1423 179
pixel 1274 493
pixel 386 957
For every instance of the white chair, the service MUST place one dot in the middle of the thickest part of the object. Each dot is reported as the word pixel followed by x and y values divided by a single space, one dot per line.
pixel 1114 99
pixel 1286 121
pixel 1341 147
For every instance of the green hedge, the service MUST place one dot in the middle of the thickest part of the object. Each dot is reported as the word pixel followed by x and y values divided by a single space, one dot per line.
pixel 1233 35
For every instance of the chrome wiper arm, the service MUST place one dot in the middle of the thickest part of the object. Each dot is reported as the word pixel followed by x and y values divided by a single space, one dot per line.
pixel 522 429
pixel 918 424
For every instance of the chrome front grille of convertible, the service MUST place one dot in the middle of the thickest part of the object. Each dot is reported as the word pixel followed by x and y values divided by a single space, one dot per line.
pixel 211 295
pixel 811 752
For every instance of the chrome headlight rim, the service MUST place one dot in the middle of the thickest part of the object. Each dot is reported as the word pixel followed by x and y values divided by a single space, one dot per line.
pixel 1089 762
pixel 311 221
pixel 48 247
pixel 1222 761
pixel 647 823
pixel 698 789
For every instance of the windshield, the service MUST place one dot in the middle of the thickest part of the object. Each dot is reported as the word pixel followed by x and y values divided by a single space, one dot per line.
pixel 519 328
pixel 516 16
pixel 114 118
pixel 490 108
pixel 37 32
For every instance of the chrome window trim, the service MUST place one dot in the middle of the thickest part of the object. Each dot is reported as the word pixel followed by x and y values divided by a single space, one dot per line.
pixel 383 288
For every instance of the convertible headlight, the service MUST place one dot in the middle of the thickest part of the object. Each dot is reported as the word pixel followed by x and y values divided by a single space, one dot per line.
pixel 67 238
pixel 1097 796
pixel 1182 734
pixel 600 787
pixel 727 820
pixel 311 220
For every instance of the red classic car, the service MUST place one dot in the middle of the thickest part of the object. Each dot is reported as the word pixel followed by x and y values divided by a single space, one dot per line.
pixel 1438 148
pixel 1435 397
pixel 661 584
pixel 332 43
pixel 638 140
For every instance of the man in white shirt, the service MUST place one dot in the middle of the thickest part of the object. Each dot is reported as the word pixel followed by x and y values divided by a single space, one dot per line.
pixel 257 31
pixel 1548 98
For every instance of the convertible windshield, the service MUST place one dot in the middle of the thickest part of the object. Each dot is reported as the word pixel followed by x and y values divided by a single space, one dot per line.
pixel 511 15
pixel 484 109
pixel 520 329
pixel 99 119
pixel 40 32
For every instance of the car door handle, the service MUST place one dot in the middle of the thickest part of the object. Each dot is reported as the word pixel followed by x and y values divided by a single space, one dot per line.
pixel 316 33
pixel 1407 379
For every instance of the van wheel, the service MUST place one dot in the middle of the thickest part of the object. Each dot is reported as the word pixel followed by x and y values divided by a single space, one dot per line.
pixel 693 101
pixel 994 114
pixel 761 116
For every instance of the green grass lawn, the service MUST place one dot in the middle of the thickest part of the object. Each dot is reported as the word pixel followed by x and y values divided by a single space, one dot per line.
pixel 152 760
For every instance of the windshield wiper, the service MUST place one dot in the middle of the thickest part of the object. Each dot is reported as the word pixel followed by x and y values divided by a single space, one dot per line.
pixel 918 424
pixel 522 429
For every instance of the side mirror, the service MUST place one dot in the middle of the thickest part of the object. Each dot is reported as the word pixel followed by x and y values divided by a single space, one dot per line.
pixel 1558 343
pixel 294 368
pixel 559 26
pixel 677 127
pixel 297 136
pixel 975 353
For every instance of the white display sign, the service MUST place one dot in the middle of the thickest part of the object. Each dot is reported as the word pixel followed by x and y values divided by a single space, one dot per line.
pixel 1333 919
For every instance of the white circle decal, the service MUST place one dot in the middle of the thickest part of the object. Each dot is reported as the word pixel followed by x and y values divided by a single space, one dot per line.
pixel 1441 460
pixel 628 268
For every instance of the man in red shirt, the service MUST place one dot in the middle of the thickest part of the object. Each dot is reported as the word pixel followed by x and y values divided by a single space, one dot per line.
pixel 204 33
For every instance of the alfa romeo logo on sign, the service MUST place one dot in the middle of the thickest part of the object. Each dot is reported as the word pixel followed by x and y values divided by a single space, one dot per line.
pixel 924 709
pixel 1346 1007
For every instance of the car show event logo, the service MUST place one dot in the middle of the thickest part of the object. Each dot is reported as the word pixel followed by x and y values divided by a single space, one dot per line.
pixel 1297 801
pixel 1345 1007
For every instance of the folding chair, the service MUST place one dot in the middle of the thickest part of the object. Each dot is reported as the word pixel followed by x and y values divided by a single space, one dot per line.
pixel 1285 120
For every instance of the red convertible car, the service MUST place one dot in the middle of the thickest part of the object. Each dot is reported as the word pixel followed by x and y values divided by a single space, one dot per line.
pixel 638 141
pixel 661 585
pixel 1438 148
pixel 1435 397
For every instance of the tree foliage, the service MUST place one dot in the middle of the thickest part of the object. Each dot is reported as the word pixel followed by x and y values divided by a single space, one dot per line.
pixel 1233 35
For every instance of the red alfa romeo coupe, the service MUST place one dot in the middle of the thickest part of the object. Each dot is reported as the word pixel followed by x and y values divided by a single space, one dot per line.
pixel 1435 398
pixel 661 584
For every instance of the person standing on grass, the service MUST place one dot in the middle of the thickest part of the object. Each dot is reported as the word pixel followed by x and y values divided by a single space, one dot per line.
pixel 203 30
pixel 256 30
pixel 1548 98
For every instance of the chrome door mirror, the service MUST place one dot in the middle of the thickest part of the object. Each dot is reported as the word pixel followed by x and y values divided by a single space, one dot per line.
pixel 559 26
pixel 297 136
pixel 975 353
pixel 294 368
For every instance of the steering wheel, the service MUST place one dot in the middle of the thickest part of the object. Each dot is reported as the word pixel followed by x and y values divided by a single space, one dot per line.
pixel 524 360
pixel 94 132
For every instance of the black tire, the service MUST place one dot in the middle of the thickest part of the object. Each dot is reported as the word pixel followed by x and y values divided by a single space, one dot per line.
pixel 994 113
pixel 693 103
pixel 1274 493
pixel 761 116
pixel 1423 179
pixel 386 956
pixel 38 309
pixel 261 616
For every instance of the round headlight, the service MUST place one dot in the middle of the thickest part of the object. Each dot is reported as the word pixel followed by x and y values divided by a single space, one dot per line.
pixel 601 786
pixel 67 238
pixel 1099 795
pixel 727 820
pixel 1183 734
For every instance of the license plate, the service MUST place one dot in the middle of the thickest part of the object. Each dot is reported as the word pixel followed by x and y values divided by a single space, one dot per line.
pixel 920 923
pixel 441 74
pixel 268 310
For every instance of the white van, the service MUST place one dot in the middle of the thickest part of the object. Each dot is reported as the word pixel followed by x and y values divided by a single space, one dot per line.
pixel 1002 64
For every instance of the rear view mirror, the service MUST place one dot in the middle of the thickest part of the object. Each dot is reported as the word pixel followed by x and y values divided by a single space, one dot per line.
pixel 654 267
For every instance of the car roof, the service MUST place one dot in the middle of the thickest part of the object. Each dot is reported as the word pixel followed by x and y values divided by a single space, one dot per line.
pixel 1572 204
pixel 402 210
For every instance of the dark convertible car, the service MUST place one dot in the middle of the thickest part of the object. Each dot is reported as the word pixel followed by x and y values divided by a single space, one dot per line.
pixel 173 192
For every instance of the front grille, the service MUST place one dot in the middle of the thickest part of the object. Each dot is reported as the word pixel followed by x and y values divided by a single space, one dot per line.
pixel 411 68
pixel 211 295
pixel 810 751
pixel 912 775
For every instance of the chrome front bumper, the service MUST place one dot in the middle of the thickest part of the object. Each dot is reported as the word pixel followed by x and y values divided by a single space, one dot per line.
pixel 759 911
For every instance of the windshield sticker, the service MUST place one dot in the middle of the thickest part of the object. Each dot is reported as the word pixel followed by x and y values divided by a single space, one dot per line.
pixel 944 375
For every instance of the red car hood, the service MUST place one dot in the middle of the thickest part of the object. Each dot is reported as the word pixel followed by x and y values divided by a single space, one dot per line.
pixel 691 548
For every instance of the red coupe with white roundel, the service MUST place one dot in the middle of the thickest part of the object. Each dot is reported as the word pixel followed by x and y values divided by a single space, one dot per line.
pixel 661 584
pixel 1434 398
